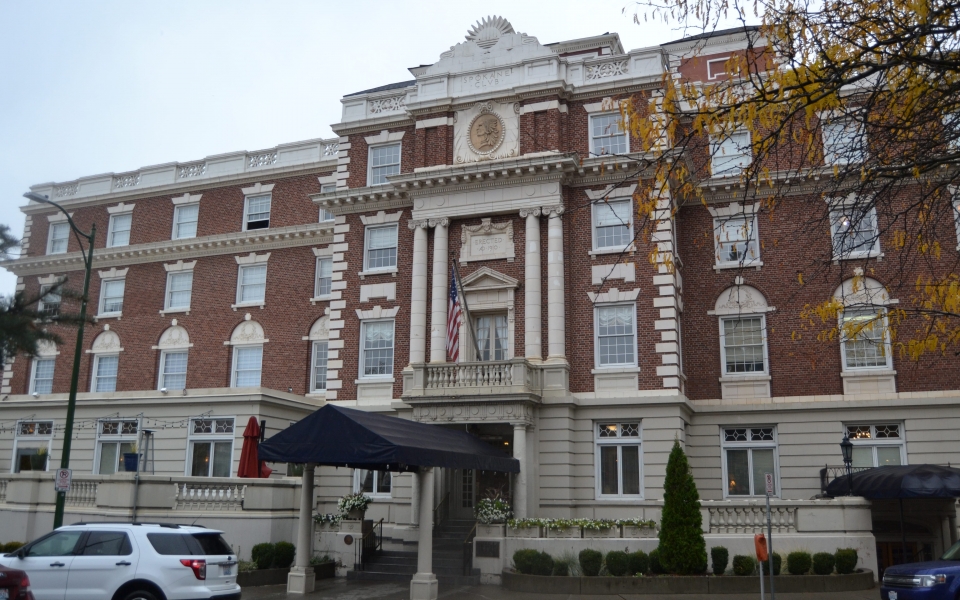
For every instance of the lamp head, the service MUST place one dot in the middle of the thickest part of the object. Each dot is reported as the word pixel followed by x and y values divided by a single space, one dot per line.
pixel 36 197
pixel 846 447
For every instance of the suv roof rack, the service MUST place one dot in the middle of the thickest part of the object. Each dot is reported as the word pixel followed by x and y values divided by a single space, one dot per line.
pixel 167 525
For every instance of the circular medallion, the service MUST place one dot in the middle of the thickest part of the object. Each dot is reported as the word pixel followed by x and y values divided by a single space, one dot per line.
pixel 486 133
pixel 348 539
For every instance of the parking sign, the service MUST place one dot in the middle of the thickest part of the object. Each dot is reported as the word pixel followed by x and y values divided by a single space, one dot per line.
pixel 62 482
pixel 769 479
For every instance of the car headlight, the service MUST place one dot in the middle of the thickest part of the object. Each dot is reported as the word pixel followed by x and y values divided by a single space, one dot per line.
pixel 932 580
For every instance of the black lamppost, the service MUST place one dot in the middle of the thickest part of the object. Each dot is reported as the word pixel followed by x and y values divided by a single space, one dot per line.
pixel 78 351
pixel 846 447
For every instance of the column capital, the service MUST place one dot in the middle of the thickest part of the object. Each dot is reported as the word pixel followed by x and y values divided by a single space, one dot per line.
pixel 530 212
pixel 422 223
pixel 520 425
pixel 442 222
pixel 553 210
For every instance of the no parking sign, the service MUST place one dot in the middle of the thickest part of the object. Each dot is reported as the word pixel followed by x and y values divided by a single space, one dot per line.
pixel 62 481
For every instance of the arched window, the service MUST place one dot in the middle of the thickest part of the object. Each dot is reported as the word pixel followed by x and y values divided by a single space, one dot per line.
pixel 173 346
pixel 247 341
pixel 744 360
pixel 41 374
pixel 319 334
pixel 865 351
pixel 106 351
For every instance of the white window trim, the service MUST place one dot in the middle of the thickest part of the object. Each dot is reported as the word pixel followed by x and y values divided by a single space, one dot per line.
pixel 593 228
pixel 955 204
pixel 103 297
pixel 313 366
pixel 715 150
pixel 246 208
pixel 751 262
pixel 626 132
pixel 261 303
pixel 233 364
pixel 366 244
pixel 725 445
pixel 166 294
pixel 829 121
pixel 618 441
pixel 160 372
pixel 723 70
pixel 44 288
pixel 113 439
pixel 370 149
pixel 596 336
pixel 176 214
pixel 110 231
pixel 17 438
pixel 50 237
pixel 317 297
pixel 378 494
pixel 874 442
pixel 723 347
pixel 33 371
pixel 209 437
pixel 873 252
pixel 887 345
pixel 376 378
pixel 96 366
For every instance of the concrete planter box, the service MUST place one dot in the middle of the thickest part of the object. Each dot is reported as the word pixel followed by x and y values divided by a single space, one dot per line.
pixel 326 570
pixel 495 530
pixel 569 532
pixel 703 584
pixel 524 532
pixel 613 532
pixel 629 531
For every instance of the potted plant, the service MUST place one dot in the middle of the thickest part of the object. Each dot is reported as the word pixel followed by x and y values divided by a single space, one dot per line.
pixel 601 528
pixel 38 461
pixel 491 514
pixel 524 528
pixel 131 460
pixel 353 506
pixel 638 528
pixel 563 528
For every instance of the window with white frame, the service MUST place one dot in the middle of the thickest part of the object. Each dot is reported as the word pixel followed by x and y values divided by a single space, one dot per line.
pixel 956 213
pixel 252 284
pixel 951 129
pixel 210 447
pixel 256 212
pixel 748 454
pixel 743 345
pixel 730 153
pixel 612 224
pixel 855 232
pixel 185 218
pixel 318 381
pixel 111 296
pixel 372 483
pixel 864 342
pixel 58 237
pixel 247 364
pixel 381 248
pixel 877 445
pixel 179 289
pixel 325 214
pixel 377 348
pixel 49 304
pixel 119 232
pixel 384 161
pixel 844 142
pixel 618 460
pixel 173 370
pixel 114 439
pixel 735 241
pixel 41 378
pixel 31 446
pixel 607 135
pixel 324 282
pixel 616 335
pixel 105 369
pixel 491 331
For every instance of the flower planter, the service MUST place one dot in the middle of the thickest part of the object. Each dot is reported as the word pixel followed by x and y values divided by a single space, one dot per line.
pixel 629 531
pixel 131 461
pixel 327 570
pixel 494 530
pixel 611 532
pixel 523 532
pixel 356 514
pixel 569 532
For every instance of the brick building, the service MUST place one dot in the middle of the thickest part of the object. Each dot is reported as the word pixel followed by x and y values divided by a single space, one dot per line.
pixel 267 283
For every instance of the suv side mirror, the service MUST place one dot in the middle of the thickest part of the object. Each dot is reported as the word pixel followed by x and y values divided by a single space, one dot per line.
pixel 22 552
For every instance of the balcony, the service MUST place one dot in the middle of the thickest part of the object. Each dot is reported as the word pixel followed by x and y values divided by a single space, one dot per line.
pixel 515 379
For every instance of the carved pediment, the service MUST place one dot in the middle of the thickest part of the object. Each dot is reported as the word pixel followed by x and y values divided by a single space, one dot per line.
pixel 486 278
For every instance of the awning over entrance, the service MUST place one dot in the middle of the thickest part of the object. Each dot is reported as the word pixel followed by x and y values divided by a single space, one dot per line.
pixel 902 481
pixel 345 437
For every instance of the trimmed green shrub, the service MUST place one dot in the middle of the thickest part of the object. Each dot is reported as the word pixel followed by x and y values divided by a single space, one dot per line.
pixel 720 557
pixel 744 565
pixel 11 546
pixel 638 562
pixel 823 563
pixel 846 559
pixel 682 548
pixel 590 562
pixel 523 560
pixel 561 569
pixel 263 554
pixel 542 564
pixel 655 567
pixel 617 563
pixel 799 562
pixel 777 562
pixel 283 553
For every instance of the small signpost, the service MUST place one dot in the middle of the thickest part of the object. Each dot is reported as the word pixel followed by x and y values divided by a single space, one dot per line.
pixel 768 477
pixel 63 479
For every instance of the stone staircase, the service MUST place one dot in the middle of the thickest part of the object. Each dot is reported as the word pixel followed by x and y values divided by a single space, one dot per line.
pixel 400 565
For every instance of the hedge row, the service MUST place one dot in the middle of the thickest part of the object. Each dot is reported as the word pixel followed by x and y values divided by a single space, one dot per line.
pixel 844 561
pixel 273 556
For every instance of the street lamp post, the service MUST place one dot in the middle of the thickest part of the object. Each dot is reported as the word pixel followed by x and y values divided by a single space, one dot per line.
pixel 846 447
pixel 78 351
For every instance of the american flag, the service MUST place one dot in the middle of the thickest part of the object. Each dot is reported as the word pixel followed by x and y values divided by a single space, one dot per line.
pixel 453 321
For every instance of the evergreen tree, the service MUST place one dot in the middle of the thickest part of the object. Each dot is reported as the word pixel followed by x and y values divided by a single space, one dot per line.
pixel 682 548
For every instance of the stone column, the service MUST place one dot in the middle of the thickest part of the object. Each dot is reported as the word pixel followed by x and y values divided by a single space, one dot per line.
pixel 423 586
pixel 418 294
pixel 532 338
pixel 441 283
pixel 556 335
pixel 520 481
pixel 301 579
pixel 414 498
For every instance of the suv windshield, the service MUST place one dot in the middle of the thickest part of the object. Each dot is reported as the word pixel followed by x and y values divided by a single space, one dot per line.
pixel 189 544
pixel 953 553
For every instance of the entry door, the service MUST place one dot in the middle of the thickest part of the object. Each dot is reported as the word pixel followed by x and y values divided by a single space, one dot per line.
pixel 463 495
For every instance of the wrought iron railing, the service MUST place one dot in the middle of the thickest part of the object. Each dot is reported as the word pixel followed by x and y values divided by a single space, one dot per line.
pixel 441 509
pixel 830 472
pixel 370 543
pixel 468 551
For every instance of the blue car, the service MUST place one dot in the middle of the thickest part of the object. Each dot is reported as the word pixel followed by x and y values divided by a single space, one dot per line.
pixel 931 580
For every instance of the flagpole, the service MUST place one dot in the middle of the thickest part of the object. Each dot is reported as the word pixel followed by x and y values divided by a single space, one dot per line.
pixel 466 309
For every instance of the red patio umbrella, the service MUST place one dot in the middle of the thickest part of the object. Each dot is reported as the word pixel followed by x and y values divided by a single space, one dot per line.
pixel 249 465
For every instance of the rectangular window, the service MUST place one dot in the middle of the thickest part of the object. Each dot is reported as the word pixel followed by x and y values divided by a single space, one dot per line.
pixel 607 135
pixel 743 345
pixel 616 335
pixel 59 236
pixel 618 460
pixel 119 234
pixel 324 277
pixel 843 142
pixel 211 448
pixel 384 161
pixel 173 370
pixel 735 241
pixel 373 483
pixel 749 453
pixel 492 340
pixel 730 154
pixel 253 284
pixel 111 296
pixel 956 213
pixel 319 383
pixel 42 380
pixel 257 212
pixel 179 288
pixel 855 232
pixel 951 130
pixel 247 363
pixel 381 248
pixel 863 339
pixel 32 446
pixel 49 305
pixel 185 217
pixel 877 445
pixel 612 224
pixel 115 438
pixel 105 373
pixel 377 351
pixel 325 214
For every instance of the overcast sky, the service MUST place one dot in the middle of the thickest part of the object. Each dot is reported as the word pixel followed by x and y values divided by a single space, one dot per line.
pixel 97 87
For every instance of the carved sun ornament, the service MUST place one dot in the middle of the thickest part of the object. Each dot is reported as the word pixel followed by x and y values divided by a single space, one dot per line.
pixel 488 31
pixel 487 131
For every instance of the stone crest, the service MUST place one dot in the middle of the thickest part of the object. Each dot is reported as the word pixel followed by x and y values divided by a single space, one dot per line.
pixel 486 132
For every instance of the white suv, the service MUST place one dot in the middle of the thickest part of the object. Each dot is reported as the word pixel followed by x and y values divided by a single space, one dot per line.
pixel 124 561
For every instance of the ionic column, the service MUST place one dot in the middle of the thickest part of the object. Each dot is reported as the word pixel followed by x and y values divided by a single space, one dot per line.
pixel 301 579
pixel 520 482
pixel 418 294
pixel 423 586
pixel 532 337
pixel 441 281
pixel 556 336
pixel 414 498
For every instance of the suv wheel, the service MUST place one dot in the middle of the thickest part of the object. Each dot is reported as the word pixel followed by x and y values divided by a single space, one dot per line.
pixel 140 595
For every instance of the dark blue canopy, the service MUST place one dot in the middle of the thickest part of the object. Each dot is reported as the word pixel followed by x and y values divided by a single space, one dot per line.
pixel 345 437
pixel 903 481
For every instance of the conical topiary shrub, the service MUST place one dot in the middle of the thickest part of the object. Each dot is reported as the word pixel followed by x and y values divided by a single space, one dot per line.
pixel 682 548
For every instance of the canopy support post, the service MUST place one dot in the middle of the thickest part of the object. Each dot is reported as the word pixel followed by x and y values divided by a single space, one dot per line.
pixel 423 586
pixel 903 534
pixel 301 579
pixel 520 486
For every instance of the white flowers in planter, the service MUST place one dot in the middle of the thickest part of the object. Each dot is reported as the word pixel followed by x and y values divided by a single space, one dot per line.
pixel 492 510
pixel 345 505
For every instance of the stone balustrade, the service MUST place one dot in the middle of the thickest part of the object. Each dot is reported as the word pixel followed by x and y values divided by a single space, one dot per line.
pixel 516 376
